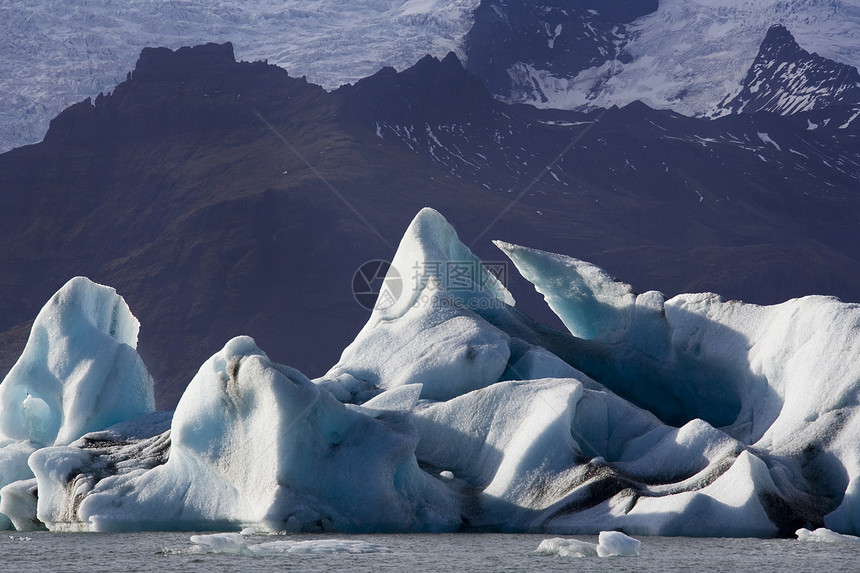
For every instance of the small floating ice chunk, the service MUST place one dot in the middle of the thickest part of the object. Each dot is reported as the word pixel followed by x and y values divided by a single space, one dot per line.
pixel 615 543
pixel 446 475
pixel 609 544
pixel 824 535
pixel 561 547
pixel 319 546
pixel 235 543
pixel 221 542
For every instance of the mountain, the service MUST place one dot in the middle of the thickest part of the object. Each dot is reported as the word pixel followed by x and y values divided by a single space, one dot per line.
pixel 59 52
pixel 786 79
pixel 511 38
pixel 687 56
pixel 223 198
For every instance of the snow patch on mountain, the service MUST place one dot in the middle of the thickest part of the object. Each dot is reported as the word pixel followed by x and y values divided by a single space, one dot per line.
pixel 786 79
pixel 58 53
pixel 690 55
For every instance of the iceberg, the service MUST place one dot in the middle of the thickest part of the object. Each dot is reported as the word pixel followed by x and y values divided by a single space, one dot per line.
pixel 318 546
pixel 560 547
pixel 251 443
pixel 237 543
pixel 430 335
pixel 609 544
pixel 779 379
pixel 824 535
pixel 79 373
pixel 220 543
pixel 453 411
pixel 616 544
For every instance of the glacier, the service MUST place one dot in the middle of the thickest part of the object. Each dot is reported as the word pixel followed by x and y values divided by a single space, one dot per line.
pixel 689 55
pixel 61 52
pixel 453 411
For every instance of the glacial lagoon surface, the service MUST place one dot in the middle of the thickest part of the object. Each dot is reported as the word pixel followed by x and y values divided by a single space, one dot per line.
pixel 163 552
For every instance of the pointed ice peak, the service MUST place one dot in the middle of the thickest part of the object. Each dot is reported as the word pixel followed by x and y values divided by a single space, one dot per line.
pixel 431 250
pixel 98 305
pixel 590 302
pixel 79 371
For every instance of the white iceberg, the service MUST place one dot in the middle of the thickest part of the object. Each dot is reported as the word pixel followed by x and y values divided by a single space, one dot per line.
pixel 616 544
pixel 823 535
pixel 453 411
pixel 561 547
pixel 220 543
pixel 79 372
pixel 430 335
pixel 254 443
pixel 780 379
pixel 609 544
pixel 236 543
pixel 18 502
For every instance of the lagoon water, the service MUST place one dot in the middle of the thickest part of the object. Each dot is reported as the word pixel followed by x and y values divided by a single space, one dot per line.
pixel 166 552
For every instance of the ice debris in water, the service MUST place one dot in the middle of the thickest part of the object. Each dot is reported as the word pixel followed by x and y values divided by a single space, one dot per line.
pixel 824 535
pixel 566 548
pixel 220 542
pixel 615 543
pixel 236 543
pixel 609 544
pixel 319 546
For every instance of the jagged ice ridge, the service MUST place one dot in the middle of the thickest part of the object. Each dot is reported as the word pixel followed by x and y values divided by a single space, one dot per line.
pixel 451 410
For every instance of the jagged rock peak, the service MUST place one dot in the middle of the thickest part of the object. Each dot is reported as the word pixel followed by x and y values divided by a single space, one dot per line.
pixel 431 91
pixel 170 91
pixel 160 62
pixel 778 39
pixel 786 79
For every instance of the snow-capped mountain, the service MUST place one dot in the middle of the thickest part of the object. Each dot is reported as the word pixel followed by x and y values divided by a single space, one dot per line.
pixel 787 79
pixel 438 110
pixel 510 39
pixel 55 53
pixel 687 55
